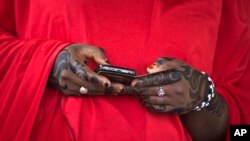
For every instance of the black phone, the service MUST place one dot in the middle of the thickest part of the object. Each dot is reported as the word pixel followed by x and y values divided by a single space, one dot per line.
pixel 117 74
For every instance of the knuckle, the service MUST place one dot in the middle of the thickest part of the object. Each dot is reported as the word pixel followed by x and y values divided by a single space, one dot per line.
pixel 81 74
pixel 175 76
pixel 179 90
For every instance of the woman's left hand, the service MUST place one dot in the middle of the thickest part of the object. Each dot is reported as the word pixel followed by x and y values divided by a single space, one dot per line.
pixel 171 87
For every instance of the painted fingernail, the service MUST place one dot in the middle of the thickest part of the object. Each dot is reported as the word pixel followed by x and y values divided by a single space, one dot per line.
pixel 106 84
pixel 151 66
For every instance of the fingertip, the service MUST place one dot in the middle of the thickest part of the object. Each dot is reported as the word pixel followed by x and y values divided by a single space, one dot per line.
pixel 99 79
pixel 119 88
pixel 101 61
pixel 106 83
pixel 104 63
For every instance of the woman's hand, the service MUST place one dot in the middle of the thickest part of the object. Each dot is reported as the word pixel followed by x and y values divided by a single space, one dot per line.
pixel 171 87
pixel 73 77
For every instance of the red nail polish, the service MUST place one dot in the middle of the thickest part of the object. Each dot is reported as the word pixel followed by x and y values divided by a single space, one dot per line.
pixel 106 85
pixel 151 66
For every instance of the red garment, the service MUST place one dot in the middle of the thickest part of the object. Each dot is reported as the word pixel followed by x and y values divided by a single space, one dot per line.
pixel 211 35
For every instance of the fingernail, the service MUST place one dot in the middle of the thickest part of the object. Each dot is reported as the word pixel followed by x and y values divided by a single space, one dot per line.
pixel 151 66
pixel 106 84
pixel 120 89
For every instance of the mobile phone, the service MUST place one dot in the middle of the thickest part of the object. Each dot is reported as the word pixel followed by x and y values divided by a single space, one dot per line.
pixel 117 74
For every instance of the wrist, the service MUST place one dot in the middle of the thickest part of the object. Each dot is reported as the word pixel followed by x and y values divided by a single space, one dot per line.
pixel 209 96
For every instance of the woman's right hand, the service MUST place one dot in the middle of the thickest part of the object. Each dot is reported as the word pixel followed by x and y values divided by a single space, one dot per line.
pixel 73 77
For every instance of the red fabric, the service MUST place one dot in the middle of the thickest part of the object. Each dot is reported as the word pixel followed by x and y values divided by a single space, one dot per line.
pixel 207 34
pixel 232 60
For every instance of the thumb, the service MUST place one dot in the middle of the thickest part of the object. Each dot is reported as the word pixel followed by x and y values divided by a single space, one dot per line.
pixel 100 60
pixel 100 57
pixel 164 63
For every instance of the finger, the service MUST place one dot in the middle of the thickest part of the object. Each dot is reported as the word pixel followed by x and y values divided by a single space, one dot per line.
pixel 92 89
pixel 143 91
pixel 69 88
pixel 158 78
pixel 97 54
pixel 85 73
pixel 157 100
pixel 100 57
pixel 97 79
pixel 114 89
pixel 164 63
pixel 157 66
pixel 75 79
pixel 149 91
pixel 161 108
pixel 81 82
pixel 169 63
pixel 168 109
pixel 158 108
pixel 133 90
pixel 88 52
pixel 149 106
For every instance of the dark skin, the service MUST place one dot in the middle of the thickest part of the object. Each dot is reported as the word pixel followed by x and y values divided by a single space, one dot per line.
pixel 185 88
pixel 70 71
